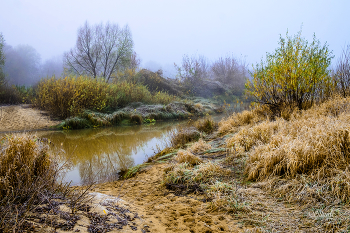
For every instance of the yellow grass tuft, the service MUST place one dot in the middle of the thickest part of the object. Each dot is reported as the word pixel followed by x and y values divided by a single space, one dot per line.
pixel 180 137
pixel 186 174
pixel 302 147
pixel 248 137
pixel 198 105
pixel 207 125
pixel 207 170
pixel 185 156
pixel 232 123
pixel 200 146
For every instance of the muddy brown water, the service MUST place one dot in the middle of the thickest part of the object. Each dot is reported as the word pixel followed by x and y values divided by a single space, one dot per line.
pixel 98 155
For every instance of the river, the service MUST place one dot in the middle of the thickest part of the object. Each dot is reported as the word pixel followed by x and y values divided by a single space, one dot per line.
pixel 97 155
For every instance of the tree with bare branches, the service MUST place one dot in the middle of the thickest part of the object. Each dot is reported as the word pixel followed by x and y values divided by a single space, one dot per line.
pixel 342 73
pixel 193 71
pixel 100 50
pixel 2 61
pixel 230 71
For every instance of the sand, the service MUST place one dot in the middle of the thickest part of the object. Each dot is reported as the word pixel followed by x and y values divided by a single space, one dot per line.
pixel 162 211
pixel 23 117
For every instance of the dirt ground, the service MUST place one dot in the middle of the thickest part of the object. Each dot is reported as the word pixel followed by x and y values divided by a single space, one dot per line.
pixel 162 211
pixel 140 204
pixel 23 117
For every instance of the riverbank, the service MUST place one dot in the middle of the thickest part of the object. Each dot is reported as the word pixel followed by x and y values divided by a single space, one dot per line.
pixel 24 118
pixel 139 113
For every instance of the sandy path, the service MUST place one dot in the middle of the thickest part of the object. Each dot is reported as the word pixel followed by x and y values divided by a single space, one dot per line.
pixel 23 117
pixel 164 212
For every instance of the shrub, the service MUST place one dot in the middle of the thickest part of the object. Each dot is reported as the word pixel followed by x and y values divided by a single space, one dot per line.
pixel 66 97
pixel 296 74
pixel 26 174
pixel 342 73
pixel 9 95
pixel 154 82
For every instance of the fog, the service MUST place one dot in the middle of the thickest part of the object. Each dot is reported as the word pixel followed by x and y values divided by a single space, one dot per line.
pixel 164 31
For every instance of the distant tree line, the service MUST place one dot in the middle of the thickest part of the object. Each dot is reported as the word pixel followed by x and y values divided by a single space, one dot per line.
pixel 23 66
pixel 296 75
pixel 226 75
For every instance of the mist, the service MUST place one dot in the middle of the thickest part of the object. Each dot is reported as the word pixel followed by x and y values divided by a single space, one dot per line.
pixel 23 65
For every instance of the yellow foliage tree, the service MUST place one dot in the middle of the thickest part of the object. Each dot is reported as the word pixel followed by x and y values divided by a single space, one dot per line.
pixel 296 74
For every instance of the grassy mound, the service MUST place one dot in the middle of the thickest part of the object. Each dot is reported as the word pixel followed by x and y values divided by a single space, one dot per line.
pixel 135 113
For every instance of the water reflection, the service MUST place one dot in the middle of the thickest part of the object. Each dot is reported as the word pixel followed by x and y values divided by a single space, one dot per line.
pixel 97 155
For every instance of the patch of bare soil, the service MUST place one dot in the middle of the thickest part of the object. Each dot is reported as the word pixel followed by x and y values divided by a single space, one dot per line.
pixel 163 210
pixel 23 117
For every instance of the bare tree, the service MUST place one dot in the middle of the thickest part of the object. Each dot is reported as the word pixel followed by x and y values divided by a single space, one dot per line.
pixel 135 61
pixel 231 72
pixel 342 73
pixel 193 71
pixel 100 50
pixel 2 61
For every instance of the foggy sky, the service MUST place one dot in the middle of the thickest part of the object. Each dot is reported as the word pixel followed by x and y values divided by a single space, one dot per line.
pixel 164 30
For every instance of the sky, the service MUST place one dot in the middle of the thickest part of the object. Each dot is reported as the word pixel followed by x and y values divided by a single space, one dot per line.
pixel 165 30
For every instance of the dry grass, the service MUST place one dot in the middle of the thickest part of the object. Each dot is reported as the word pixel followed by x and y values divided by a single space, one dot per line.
pixel 259 134
pixel 224 198
pixel 207 125
pixel 29 180
pixel 180 137
pixel 185 156
pixel 232 123
pixel 200 146
pixel 185 173
pixel 26 175
pixel 306 158
pixel 24 162
pixel 198 105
